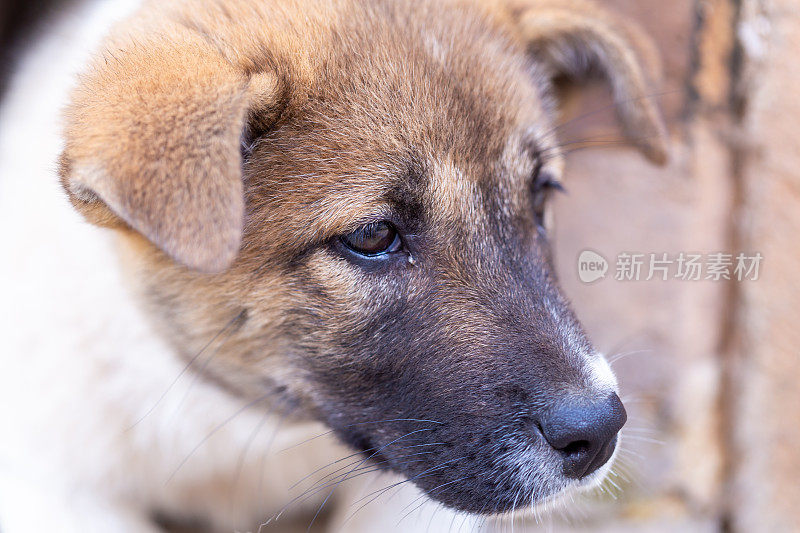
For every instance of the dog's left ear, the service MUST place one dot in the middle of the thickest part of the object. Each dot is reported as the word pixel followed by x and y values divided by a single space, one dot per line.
pixel 576 38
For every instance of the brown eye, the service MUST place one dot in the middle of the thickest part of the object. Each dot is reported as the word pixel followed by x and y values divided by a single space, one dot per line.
pixel 541 188
pixel 373 239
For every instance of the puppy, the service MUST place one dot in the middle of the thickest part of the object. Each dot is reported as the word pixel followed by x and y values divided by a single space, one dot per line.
pixel 326 258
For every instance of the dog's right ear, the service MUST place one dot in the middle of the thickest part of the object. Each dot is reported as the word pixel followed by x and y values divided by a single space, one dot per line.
pixel 153 143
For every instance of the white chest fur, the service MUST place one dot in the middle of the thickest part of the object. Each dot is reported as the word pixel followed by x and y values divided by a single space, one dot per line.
pixel 79 364
pixel 96 430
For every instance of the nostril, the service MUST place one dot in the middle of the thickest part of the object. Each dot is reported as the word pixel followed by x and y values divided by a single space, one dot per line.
pixel 585 434
pixel 577 447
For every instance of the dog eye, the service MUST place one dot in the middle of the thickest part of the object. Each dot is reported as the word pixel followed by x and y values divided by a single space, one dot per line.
pixel 373 239
pixel 541 188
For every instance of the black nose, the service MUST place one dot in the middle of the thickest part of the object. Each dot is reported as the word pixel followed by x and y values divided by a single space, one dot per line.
pixel 584 433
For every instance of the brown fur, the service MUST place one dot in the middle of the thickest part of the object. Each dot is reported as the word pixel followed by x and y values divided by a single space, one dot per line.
pixel 230 145
pixel 163 109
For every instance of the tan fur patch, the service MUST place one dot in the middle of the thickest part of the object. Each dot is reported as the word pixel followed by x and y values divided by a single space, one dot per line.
pixel 340 104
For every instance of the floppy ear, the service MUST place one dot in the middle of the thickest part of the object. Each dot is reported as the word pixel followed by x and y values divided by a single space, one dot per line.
pixel 577 38
pixel 153 143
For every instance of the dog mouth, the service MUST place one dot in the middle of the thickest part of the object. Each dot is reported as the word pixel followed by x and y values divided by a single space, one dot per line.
pixel 489 474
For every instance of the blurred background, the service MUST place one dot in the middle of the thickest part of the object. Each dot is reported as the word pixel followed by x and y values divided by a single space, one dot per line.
pixel 709 369
pixel 19 20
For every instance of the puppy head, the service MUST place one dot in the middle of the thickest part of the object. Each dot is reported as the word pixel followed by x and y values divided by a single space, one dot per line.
pixel 348 199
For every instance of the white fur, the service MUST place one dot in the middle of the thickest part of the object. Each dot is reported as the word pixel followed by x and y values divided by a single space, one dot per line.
pixel 88 444
pixel 603 378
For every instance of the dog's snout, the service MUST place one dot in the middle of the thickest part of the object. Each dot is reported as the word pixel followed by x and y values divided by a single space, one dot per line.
pixel 585 433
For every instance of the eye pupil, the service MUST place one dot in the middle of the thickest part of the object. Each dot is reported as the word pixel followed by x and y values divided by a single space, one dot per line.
pixel 373 239
pixel 541 188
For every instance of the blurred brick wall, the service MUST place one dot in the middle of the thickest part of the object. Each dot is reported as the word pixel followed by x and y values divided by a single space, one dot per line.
pixel 709 369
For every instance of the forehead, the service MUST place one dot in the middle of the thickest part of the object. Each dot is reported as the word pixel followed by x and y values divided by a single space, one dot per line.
pixel 406 110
